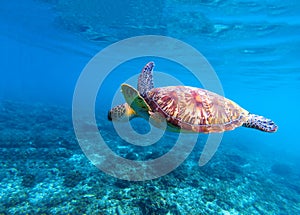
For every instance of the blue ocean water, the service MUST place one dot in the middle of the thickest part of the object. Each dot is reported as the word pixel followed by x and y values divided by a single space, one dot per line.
pixel 252 45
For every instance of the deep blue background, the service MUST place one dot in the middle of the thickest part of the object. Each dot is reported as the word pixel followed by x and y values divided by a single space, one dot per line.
pixel 253 46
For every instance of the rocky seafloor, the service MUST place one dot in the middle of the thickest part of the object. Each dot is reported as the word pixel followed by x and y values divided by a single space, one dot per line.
pixel 44 171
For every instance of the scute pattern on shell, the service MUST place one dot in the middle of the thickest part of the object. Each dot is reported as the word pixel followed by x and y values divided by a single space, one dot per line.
pixel 196 110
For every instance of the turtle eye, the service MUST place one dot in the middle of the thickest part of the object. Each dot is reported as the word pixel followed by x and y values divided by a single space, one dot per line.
pixel 109 116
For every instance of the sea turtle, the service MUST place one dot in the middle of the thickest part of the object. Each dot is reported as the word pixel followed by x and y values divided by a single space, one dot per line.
pixel 185 109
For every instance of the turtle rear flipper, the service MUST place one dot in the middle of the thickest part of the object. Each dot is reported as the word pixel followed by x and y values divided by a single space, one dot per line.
pixel 158 120
pixel 260 123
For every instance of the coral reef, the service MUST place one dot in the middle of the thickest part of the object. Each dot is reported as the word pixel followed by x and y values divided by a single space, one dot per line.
pixel 28 180
pixel 44 171
pixel 281 169
pixel 71 179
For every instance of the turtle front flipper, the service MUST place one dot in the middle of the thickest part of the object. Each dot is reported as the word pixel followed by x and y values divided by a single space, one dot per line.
pixel 260 123
pixel 121 113
pixel 136 101
pixel 145 82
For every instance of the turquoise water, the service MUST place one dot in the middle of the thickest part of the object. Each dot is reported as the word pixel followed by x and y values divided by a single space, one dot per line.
pixel 253 47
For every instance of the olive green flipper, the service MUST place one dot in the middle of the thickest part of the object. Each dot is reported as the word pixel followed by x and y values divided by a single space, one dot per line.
pixel 135 100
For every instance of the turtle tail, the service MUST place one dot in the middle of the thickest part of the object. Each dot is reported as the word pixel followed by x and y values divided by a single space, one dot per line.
pixel 145 82
pixel 260 123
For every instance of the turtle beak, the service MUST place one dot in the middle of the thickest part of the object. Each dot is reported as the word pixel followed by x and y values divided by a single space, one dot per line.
pixel 109 116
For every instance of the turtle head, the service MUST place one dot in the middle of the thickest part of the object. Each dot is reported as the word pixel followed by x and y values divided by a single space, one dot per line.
pixel 121 113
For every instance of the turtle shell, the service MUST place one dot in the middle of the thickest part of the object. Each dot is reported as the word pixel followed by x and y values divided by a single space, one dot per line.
pixel 193 109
